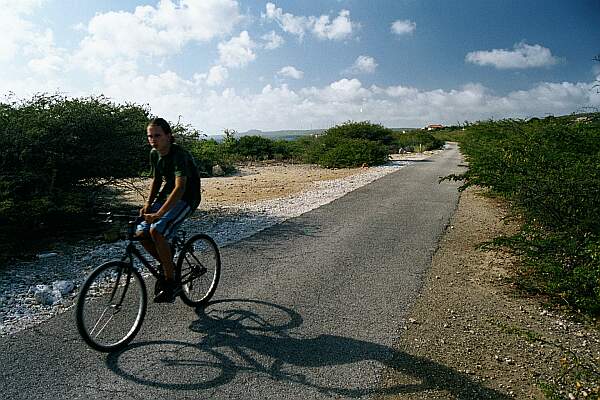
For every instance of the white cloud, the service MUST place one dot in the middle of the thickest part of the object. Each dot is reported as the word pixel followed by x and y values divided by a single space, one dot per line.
pixel 322 27
pixel 339 28
pixel 20 7
pixel 237 52
pixel 288 22
pixel 273 41
pixel 523 55
pixel 401 91
pixel 47 65
pixel 363 64
pixel 21 37
pixel 403 27
pixel 44 57
pixel 342 91
pixel 279 107
pixel 290 72
pixel 217 75
pixel 150 31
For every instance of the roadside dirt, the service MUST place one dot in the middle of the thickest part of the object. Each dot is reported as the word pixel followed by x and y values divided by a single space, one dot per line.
pixel 264 181
pixel 254 182
pixel 487 340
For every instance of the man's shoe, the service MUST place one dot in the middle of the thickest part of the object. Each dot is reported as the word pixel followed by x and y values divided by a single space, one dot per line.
pixel 166 293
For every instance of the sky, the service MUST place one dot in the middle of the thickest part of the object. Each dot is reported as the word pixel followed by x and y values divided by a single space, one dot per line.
pixel 282 64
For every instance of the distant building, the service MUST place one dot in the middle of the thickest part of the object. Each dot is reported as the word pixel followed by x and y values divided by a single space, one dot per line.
pixel 433 127
pixel 583 119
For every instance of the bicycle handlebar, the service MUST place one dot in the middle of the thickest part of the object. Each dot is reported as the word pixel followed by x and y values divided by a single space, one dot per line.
pixel 109 215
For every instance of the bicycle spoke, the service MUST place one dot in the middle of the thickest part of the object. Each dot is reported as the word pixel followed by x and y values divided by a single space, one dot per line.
pixel 104 326
pixel 97 322
pixel 111 306
pixel 198 269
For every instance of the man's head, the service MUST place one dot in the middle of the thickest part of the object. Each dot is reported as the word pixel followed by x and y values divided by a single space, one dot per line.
pixel 160 135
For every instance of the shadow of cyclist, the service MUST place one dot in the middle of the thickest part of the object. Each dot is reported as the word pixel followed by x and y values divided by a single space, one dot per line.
pixel 236 327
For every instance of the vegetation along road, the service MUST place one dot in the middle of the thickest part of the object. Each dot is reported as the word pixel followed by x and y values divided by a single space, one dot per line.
pixel 310 308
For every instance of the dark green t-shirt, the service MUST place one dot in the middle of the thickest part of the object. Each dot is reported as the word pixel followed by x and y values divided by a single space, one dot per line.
pixel 178 162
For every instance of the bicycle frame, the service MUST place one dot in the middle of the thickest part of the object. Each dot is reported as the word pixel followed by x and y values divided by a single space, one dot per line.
pixel 132 250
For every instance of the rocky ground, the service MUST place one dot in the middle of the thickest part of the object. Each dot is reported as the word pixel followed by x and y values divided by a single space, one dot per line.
pixel 491 341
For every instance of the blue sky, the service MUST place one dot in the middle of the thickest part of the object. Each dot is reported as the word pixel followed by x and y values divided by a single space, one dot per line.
pixel 282 64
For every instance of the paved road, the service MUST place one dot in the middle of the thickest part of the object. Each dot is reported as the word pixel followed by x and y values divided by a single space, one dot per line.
pixel 308 309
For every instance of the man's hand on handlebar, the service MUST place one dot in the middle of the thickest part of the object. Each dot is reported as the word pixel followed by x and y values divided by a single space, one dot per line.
pixel 150 218
pixel 145 209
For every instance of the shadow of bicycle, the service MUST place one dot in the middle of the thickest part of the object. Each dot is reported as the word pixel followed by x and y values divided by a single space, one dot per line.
pixel 251 336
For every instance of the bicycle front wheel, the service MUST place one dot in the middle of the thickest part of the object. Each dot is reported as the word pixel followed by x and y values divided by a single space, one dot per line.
pixel 111 306
pixel 198 270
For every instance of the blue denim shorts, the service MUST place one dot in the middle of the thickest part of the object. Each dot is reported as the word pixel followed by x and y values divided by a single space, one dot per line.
pixel 170 222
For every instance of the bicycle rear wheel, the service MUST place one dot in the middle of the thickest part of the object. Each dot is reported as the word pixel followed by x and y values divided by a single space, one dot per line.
pixel 198 270
pixel 111 306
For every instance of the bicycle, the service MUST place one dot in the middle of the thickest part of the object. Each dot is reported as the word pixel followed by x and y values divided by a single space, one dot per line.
pixel 115 292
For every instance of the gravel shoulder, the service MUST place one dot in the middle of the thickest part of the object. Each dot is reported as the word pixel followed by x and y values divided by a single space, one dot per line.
pixel 471 319
pixel 233 208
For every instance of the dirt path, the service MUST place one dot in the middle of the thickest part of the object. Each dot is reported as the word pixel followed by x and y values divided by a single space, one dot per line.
pixel 471 319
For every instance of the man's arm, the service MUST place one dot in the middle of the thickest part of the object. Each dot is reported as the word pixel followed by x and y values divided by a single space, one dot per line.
pixel 154 188
pixel 174 196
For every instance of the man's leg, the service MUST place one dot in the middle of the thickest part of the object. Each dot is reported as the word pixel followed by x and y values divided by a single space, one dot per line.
pixel 143 231
pixel 163 251
pixel 150 248
pixel 159 232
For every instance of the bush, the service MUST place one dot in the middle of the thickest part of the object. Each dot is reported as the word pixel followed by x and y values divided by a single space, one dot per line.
pixel 362 130
pixel 353 153
pixel 255 148
pixel 417 141
pixel 287 150
pixel 207 154
pixel 311 149
pixel 56 154
pixel 550 170
pixel 351 144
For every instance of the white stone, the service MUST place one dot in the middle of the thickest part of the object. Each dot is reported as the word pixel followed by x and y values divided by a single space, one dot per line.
pixel 217 170
pixel 46 255
pixel 63 287
pixel 43 294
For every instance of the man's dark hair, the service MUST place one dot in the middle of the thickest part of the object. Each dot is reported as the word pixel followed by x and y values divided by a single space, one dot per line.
pixel 164 125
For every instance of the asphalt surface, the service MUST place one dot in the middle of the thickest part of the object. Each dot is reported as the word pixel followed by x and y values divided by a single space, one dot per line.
pixel 308 309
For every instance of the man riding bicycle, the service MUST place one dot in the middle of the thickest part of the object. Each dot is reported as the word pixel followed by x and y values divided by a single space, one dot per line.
pixel 173 169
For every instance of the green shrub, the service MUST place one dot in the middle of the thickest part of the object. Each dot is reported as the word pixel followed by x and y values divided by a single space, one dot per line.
pixel 311 148
pixel 56 154
pixel 362 130
pixel 354 153
pixel 456 135
pixel 254 148
pixel 287 150
pixel 350 144
pixel 417 141
pixel 207 154
pixel 550 171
